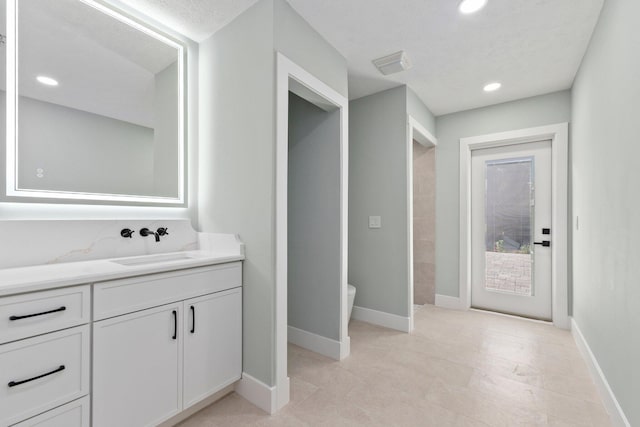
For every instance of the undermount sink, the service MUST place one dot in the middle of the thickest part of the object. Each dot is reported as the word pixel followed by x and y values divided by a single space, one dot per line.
pixel 151 259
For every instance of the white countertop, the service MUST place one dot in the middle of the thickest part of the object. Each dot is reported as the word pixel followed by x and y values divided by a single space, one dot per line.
pixel 50 276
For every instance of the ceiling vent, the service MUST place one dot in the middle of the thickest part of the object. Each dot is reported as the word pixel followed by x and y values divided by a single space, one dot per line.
pixel 394 63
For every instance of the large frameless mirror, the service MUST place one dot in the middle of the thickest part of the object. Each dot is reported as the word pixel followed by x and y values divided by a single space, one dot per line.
pixel 94 105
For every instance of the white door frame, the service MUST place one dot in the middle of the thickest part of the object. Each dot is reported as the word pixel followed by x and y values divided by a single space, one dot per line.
pixel 290 76
pixel 559 136
pixel 415 131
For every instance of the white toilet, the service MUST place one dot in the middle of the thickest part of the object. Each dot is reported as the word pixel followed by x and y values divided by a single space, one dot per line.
pixel 351 295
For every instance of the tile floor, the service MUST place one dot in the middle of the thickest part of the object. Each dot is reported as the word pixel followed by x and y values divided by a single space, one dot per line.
pixel 455 369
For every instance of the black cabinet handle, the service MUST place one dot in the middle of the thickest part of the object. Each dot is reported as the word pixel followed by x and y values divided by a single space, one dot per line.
pixel 63 308
pixel 15 383
pixel 175 325
pixel 193 319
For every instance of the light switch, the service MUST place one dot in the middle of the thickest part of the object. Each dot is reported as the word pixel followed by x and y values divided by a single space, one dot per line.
pixel 375 222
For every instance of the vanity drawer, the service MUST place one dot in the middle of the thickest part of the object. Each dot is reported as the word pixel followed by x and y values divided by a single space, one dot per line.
pixel 74 414
pixel 119 297
pixel 41 373
pixel 26 315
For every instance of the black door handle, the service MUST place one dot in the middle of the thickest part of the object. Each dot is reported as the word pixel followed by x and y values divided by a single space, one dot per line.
pixel 545 243
pixel 26 316
pixel 175 325
pixel 15 383
pixel 193 319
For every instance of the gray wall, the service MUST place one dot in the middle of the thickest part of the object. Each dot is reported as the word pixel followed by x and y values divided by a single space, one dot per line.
pixel 237 150
pixel 295 39
pixel 525 113
pixel 420 112
pixel 236 179
pixel 81 151
pixel 377 175
pixel 314 219
pixel 378 258
pixel 605 160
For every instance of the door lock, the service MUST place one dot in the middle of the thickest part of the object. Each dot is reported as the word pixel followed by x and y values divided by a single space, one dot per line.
pixel 545 243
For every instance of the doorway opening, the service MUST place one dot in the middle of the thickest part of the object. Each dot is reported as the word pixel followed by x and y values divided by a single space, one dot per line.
pixel 311 220
pixel 516 160
pixel 424 224
pixel 313 203
pixel 421 175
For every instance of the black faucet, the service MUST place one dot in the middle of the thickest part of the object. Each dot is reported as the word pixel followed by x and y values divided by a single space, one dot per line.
pixel 146 232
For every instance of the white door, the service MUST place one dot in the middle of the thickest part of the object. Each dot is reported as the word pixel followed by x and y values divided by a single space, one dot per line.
pixel 212 344
pixel 511 229
pixel 137 368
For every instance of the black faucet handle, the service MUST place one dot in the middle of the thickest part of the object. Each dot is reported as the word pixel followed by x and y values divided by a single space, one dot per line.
pixel 163 231
pixel 126 232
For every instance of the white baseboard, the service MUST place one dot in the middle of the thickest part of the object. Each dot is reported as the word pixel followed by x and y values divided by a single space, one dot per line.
pixel 319 344
pixel 258 393
pixel 610 402
pixel 345 348
pixel 562 322
pixel 445 301
pixel 380 318
pixel 283 393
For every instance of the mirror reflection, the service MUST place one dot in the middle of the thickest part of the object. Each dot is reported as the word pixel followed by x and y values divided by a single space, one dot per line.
pixel 98 103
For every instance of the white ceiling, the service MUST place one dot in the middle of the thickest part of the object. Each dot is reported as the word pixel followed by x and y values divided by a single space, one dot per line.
pixel 531 46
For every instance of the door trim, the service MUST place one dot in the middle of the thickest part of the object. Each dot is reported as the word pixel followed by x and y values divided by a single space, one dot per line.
pixel 292 77
pixel 559 136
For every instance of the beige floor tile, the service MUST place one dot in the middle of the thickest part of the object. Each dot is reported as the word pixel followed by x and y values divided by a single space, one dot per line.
pixel 575 386
pixel 457 369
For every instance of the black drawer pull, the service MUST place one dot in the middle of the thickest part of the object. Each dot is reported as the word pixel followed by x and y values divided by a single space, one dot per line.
pixel 15 383
pixel 175 325
pixel 193 319
pixel 63 308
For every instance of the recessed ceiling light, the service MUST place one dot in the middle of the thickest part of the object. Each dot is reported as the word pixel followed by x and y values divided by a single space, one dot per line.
pixel 471 6
pixel 492 87
pixel 47 81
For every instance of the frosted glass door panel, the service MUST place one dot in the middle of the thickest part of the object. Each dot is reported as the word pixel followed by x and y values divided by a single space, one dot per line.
pixel 509 224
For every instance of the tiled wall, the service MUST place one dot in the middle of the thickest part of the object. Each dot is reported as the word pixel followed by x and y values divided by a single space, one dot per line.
pixel 39 242
pixel 424 230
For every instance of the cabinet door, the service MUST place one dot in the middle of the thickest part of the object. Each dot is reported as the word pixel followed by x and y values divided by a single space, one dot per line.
pixel 137 375
pixel 213 344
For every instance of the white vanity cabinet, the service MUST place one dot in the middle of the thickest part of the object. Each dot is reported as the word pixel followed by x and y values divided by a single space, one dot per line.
pixel 153 362
pixel 137 367
pixel 74 414
pixel 44 355
pixel 212 344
